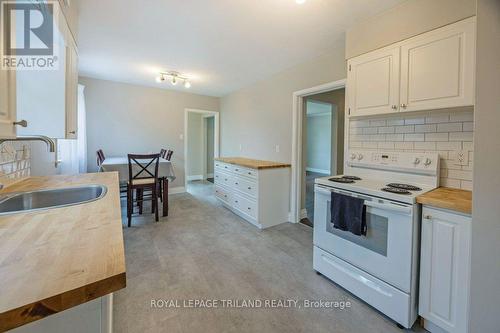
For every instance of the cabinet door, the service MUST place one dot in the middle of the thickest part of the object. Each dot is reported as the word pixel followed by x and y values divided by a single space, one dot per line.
pixel 373 83
pixel 71 91
pixel 444 269
pixel 7 103
pixel 437 68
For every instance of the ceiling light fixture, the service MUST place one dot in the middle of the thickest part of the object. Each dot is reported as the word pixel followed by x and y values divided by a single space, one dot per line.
pixel 174 78
pixel 300 2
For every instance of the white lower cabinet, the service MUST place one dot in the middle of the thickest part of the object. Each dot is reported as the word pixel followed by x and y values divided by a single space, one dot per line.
pixel 445 270
pixel 259 196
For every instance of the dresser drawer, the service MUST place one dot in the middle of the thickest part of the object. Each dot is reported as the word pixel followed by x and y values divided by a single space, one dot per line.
pixel 223 178
pixel 245 185
pixel 223 166
pixel 224 195
pixel 252 173
pixel 249 207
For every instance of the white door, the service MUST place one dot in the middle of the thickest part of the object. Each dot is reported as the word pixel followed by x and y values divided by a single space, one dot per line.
pixel 7 103
pixel 444 269
pixel 373 83
pixel 437 68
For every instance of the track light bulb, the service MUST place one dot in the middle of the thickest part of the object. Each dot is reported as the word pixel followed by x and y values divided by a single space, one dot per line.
pixel 160 79
pixel 187 84
pixel 174 80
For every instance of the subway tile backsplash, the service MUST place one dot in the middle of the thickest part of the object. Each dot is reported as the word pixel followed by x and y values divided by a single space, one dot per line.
pixel 444 132
pixel 15 162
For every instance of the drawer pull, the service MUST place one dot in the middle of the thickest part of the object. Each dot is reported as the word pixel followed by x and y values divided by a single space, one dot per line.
pixel 249 208
pixel 249 188
pixel 235 201
pixel 236 184
pixel 249 173
pixel 225 195
pixel 225 179
pixel 236 169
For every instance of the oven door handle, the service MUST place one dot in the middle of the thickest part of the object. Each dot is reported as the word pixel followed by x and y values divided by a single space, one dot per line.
pixel 391 207
pixel 407 210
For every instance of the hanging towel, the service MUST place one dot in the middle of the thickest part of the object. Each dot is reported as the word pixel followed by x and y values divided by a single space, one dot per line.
pixel 348 213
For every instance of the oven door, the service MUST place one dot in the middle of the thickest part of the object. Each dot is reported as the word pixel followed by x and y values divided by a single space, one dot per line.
pixel 386 250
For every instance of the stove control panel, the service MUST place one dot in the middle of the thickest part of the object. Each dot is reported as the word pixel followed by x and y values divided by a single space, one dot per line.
pixel 427 163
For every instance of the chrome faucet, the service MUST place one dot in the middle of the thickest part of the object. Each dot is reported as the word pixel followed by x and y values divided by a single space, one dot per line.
pixel 50 143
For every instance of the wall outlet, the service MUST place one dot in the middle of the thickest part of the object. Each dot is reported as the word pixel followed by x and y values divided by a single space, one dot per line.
pixel 181 136
pixel 462 157
pixel 277 148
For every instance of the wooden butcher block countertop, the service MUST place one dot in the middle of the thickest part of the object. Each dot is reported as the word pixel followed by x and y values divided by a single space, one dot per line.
pixel 448 198
pixel 52 260
pixel 251 163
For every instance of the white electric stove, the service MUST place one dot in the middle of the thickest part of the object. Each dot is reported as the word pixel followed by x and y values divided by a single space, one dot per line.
pixel 380 267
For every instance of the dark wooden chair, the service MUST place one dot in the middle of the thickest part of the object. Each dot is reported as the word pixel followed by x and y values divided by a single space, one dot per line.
pixel 141 181
pixel 100 158
pixel 166 155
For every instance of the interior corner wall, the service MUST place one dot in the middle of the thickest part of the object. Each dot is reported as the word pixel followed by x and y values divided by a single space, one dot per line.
pixel 259 117
pixel 485 249
pixel 410 18
pixel 124 118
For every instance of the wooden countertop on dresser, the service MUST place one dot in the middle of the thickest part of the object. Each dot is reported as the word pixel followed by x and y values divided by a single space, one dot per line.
pixel 252 164
pixel 448 198
pixel 52 260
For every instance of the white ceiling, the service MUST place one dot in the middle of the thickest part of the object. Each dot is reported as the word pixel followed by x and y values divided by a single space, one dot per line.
pixel 222 44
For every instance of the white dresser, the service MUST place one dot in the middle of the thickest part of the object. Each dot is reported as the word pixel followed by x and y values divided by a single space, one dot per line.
pixel 258 191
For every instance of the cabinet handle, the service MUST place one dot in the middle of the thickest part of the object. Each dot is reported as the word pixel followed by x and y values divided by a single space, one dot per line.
pixel 394 107
pixel 22 123
pixel 249 187
pixel 428 217
pixel 72 132
pixel 236 169
pixel 249 208
pixel 235 201
pixel 403 106
pixel 236 184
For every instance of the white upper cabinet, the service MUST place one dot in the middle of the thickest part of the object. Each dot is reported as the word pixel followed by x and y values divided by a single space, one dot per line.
pixel 445 269
pixel 373 82
pixel 47 98
pixel 7 103
pixel 434 70
pixel 437 68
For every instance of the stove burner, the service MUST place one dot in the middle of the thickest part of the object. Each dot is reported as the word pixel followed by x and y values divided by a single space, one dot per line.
pixel 396 190
pixel 404 187
pixel 351 177
pixel 341 180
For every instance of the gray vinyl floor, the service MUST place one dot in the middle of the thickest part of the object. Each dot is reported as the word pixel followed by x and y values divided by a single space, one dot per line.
pixel 204 252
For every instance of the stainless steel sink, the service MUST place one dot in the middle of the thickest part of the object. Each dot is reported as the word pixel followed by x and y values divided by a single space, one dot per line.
pixel 45 199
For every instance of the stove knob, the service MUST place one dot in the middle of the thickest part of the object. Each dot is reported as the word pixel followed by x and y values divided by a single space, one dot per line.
pixel 353 156
pixel 417 161
pixel 360 157
pixel 428 161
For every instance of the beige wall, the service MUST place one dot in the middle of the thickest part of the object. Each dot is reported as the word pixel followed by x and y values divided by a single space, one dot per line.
pixel 259 117
pixel 485 272
pixel 124 118
pixel 409 19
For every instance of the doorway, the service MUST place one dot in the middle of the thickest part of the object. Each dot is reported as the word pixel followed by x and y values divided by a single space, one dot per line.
pixel 318 144
pixel 201 146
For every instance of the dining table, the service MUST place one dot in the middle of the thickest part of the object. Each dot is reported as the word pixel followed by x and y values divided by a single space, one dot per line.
pixel 120 164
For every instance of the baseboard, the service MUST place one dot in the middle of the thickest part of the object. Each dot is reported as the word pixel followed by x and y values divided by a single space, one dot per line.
pixel 326 172
pixel 195 177
pixel 176 190
pixel 303 213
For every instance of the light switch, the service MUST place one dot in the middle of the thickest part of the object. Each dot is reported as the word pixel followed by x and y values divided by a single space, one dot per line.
pixel 181 136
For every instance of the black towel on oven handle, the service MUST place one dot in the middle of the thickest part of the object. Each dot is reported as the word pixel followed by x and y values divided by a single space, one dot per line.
pixel 348 213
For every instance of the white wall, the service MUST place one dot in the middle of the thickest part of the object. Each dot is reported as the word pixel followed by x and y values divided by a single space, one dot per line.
pixel 259 117
pixel 409 19
pixel 485 272
pixel 124 118
pixel 319 135
pixel 195 141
